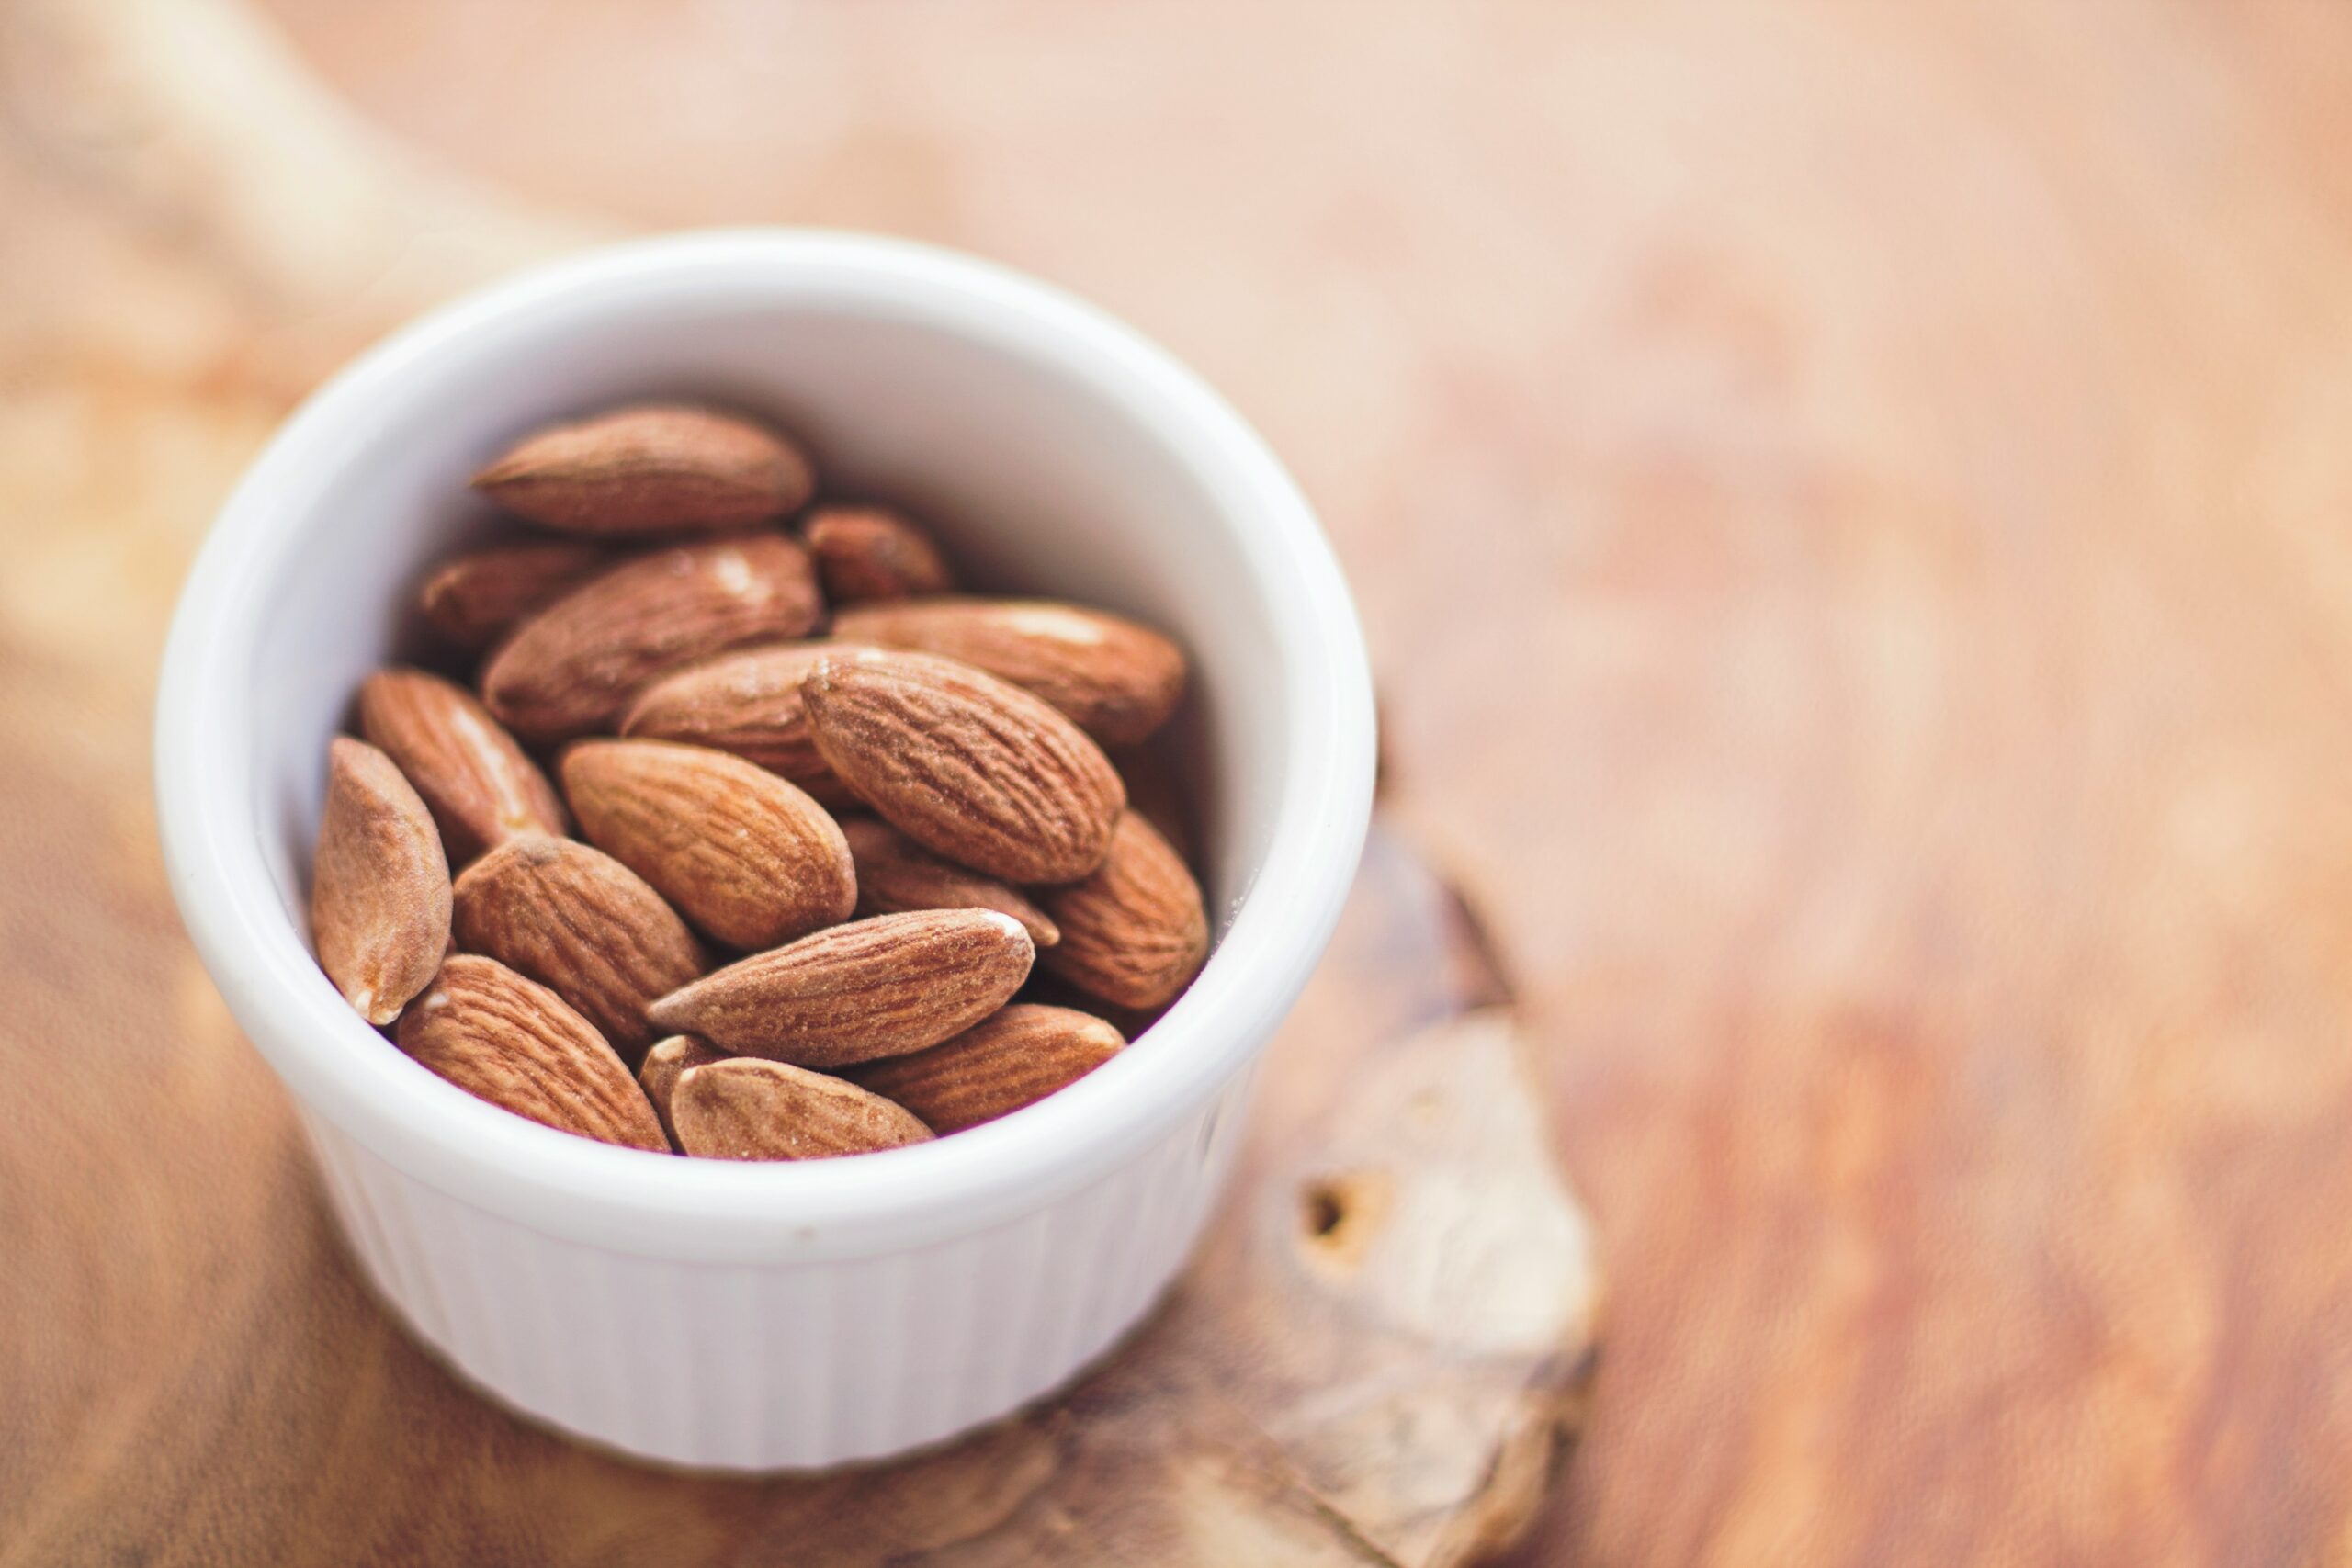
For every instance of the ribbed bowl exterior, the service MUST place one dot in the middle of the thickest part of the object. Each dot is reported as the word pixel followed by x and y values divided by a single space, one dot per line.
pixel 788 1365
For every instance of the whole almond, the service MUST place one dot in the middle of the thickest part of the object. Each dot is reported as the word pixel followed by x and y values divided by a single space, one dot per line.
pixel 574 667
pixel 380 883
pixel 745 854
pixel 514 1044
pixel 871 552
pixel 658 1075
pixel 1015 1057
pixel 896 875
pixel 875 987
pixel 654 469
pixel 964 764
pixel 749 703
pixel 1116 680
pixel 474 599
pixel 753 1109
pixel 1134 933
pixel 476 781
pixel 582 924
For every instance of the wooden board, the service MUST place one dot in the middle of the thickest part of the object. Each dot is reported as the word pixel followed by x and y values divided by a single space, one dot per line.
pixel 1850 505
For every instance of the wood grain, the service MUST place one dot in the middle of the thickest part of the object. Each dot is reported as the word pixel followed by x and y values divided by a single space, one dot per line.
pixel 1893 460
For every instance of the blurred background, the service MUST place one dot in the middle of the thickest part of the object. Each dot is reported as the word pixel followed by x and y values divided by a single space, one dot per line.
pixel 1851 505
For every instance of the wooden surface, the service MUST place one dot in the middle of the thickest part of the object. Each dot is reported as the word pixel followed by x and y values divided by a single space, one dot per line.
pixel 1851 505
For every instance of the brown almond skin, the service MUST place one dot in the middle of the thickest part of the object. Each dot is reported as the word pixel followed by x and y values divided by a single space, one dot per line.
pixel 747 703
pixel 896 875
pixel 582 924
pixel 753 1109
pixel 1136 932
pixel 866 553
pixel 514 1043
pixel 875 987
pixel 1116 680
pixel 478 785
pixel 1015 1057
pixel 574 667
pixel 652 468
pixel 745 855
pixel 658 1075
pixel 967 765
pixel 474 599
pixel 380 883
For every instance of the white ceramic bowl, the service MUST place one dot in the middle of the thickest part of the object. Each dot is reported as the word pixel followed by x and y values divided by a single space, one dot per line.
pixel 705 1312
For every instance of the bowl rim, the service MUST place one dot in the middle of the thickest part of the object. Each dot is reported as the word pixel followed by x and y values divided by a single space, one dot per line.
pixel 570 1187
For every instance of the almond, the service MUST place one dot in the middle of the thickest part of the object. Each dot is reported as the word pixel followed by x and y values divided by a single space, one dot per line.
pixel 741 852
pixel 1015 1057
pixel 870 552
pixel 896 875
pixel 474 599
pixel 654 469
pixel 875 988
pixel 582 924
pixel 574 667
pixel 1134 933
pixel 514 1044
pixel 658 1076
pixel 964 764
pixel 1116 680
pixel 475 780
pixel 751 1110
pixel 380 883
pixel 746 702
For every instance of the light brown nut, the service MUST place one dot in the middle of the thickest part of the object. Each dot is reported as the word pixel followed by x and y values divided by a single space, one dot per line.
pixel 1015 1057
pixel 964 764
pixel 514 1044
pixel 1134 933
pixel 380 883
pixel 574 667
pixel 476 781
pixel 658 1075
pixel 870 552
pixel 653 468
pixel 1116 680
pixel 896 875
pixel 582 924
pixel 474 599
pixel 878 987
pixel 753 1109
pixel 745 855
pixel 749 703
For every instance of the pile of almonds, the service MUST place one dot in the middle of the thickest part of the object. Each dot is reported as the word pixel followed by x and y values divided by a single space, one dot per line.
pixel 829 813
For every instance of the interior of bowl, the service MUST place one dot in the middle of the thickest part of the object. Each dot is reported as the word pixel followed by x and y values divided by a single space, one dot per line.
pixel 1053 451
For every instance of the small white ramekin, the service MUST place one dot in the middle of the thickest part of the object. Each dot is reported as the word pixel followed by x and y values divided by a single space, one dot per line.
pixel 704 1312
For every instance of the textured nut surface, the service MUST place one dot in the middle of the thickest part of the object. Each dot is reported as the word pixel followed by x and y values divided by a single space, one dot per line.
pixel 871 552
pixel 478 785
pixel 514 1043
pixel 380 883
pixel 653 468
pixel 574 667
pixel 474 599
pixel 896 875
pixel 753 1109
pixel 1015 1057
pixel 745 854
pixel 969 766
pixel 1116 680
pixel 582 924
pixel 658 1074
pixel 747 703
pixel 851 993
pixel 1134 933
